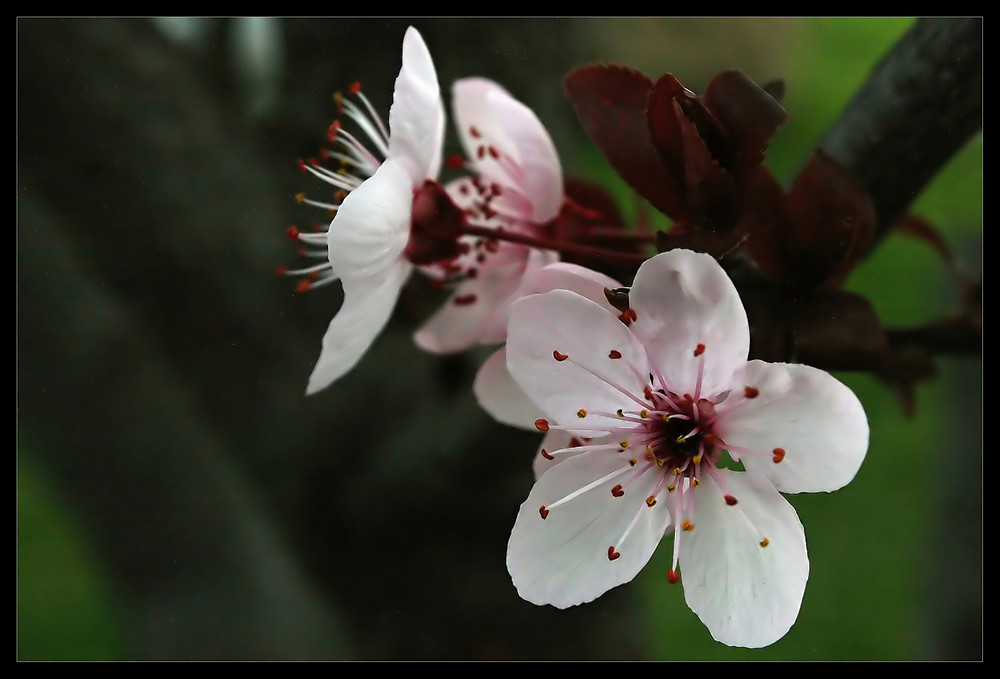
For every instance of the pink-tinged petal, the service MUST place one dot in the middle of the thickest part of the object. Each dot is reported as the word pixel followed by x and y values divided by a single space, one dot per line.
pixel 817 424
pixel 573 277
pixel 368 304
pixel 563 559
pixel 747 595
pixel 372 226
pixel 496 330
pixel 559 350
pixel 501 397
pixel 556 441
pixel 684 299
pixel 479 308
pixel 489 118
pixel 416 118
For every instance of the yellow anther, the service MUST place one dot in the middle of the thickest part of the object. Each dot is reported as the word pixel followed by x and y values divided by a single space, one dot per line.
pixel 650 449
pixel 337 96
pixel 650 501
pixel 644 413
pixel 342 171
pixel 765 542
pixel 677 471
pixel 681 439
pixel 671 488
pixel 620 413
pixel 694 482
pixel 581 413
pixel 666 417
pixel 659 463
pixel 687 525
pixel 696 459
pixel 633 462
pixel 623 443
pixel 299 197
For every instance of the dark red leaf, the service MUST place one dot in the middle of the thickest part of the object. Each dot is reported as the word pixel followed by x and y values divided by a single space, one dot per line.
pixel 749 114
pixel 611 104
pixel 837 331
pixel 712 194
pixel 832 222
pixel 664 128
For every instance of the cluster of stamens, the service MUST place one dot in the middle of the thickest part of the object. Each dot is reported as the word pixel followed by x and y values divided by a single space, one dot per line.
pixel 666 434
pixel 350 159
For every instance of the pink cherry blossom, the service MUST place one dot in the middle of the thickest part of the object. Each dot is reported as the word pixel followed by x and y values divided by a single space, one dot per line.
pixel 671 404
pixel 517 184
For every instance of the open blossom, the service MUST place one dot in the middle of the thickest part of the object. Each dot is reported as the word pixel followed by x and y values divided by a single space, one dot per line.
pixel 516 184
pixel 671 405
pixel 391 214
pixel 368 238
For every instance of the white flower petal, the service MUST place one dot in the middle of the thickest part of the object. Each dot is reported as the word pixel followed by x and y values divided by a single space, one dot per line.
pixel 487 115
pixel 500 396
pixel 372 226
pixel 683 299
pixel 573 277
pixel 562 323
pixel 817 421
pixel 368 304
pixel 416 118
pixel 747 595
pixel 496 330
pixel 562 560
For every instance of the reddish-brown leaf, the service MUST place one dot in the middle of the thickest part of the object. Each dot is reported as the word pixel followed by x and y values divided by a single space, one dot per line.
pixel 611 103
pixel 749 114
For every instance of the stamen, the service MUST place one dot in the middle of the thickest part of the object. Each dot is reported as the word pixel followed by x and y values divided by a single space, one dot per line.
pixel 543 512
pixel 673 577
pixel 779 455
pixel 751 392
pixel 542 424
pixel 614 353
pixel 559 356
pixel 546 455
pixel 730 500
pixel 581 413
pixel 612 554
pixel 618 491
pixel 765 542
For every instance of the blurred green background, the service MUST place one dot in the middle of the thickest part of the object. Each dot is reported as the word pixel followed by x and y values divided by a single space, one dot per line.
pixel 178 497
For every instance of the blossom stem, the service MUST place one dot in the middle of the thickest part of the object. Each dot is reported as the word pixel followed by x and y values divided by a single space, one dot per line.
pixel 554 244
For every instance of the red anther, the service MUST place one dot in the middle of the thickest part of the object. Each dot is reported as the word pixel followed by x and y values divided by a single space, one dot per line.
pixel 302 165
pixel 612 554
pixel 463 248
pixel 495 188
pixel 559 356
pixel 300 251
pixel 618 491
pixel 457 162
pixel 699 350
pixel 492 245
pixel 303 285
pixel 710 438
pixel 312 161
pixel 292 233
pixel 546 455
pixel 340 195
pixel 751 392
pixel 480 152
pixel 474 132
pixel 673 577
pixel 778 455
pixel 436 285
pixel 472 273
pixel 281 270
pixel 355 87
pixel 465 300
pixel 543 512
pixel 730 500
pixel 463 189
pixel 542 424
pixel 614 353
pixel 494 153
pixel 574 443
pixel 480 258
pixel 632 315
pixel 647 393
pixel 312 275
